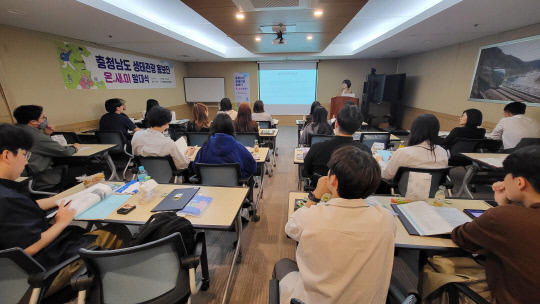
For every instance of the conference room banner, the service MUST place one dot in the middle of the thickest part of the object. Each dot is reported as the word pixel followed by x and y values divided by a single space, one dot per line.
pixel 86 67
pixel 241 87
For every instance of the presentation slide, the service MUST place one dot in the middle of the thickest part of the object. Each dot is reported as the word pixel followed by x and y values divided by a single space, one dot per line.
pixel 288 89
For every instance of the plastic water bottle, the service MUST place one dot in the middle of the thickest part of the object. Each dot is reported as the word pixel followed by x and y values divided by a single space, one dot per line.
pixel 142 174
pixel 256 146
pixel 439 197
pixel 258 126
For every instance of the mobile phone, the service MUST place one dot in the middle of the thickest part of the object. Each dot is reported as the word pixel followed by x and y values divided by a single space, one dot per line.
pixel 473 213
pixel 127 208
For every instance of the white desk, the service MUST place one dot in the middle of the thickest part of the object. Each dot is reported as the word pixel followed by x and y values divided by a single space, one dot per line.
pixel 484 160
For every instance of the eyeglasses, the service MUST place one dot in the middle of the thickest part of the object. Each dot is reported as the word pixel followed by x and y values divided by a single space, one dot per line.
pixel 28 154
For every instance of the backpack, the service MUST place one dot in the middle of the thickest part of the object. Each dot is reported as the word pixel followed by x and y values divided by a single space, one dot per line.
pixel 163 224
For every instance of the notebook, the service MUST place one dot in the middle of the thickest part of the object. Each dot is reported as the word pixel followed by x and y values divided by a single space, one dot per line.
pixel 176 200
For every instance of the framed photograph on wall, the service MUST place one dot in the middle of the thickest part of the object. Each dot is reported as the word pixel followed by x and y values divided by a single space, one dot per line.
pixel 507 72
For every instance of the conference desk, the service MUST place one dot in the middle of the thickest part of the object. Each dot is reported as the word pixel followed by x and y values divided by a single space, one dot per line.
pixel 357 135
pixel 98 151
pixel 270 135
pixel 260 158
pixel 403 238
pixel 489 161
pixel 298 159
pixel 220 215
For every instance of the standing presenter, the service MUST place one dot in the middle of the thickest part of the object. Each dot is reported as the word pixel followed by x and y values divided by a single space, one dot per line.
pixel 346 88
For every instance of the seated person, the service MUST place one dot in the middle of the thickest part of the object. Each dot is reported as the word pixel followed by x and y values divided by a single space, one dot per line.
pixel 200 122
pixel 152 141
pixel 44 149
pixel 345 248
pixel 319 126
pixel 258 112
pixel 515 126
pixel 243 122
pixel 470 122
pixel 23 223
pixel 309 118
pixel 422 151
pixel 115 119
pixel 348 121
pixel 222 147
pixel 225 106
pixel 150 103
pixel 507 235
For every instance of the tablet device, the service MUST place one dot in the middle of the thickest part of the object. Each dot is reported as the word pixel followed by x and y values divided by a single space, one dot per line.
pixel 473 213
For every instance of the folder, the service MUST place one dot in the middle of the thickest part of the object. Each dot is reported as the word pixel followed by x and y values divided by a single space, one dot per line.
pixel 176 200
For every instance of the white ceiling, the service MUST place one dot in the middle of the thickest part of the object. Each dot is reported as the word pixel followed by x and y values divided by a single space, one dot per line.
pixel 170 29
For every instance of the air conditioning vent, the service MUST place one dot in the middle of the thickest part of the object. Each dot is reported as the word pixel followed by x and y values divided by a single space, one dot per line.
pixel 265 5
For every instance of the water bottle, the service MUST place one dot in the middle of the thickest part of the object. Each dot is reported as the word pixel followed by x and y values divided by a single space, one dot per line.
pixel 142 174
pixel 256 146
pixel 258 126
pixel 439 197
pixel 401 144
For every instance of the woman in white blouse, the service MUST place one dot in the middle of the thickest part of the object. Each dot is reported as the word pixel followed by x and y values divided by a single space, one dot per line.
pixel 422 151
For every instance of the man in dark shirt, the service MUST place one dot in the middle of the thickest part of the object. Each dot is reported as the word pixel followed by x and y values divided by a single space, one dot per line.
pixel 22 220
pixel 115 119
pixel 349 120
pixel 508 234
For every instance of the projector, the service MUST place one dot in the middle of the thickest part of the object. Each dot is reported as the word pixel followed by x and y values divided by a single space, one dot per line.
pixel 279 41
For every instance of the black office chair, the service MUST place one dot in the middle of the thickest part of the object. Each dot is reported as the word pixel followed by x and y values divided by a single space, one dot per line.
pixel 313 139
pixel 176 131
pixel 22 279
pixel 157 272
pixel 525 142
pixel 120 151
pixel 438 177
pixel 227 175
pixel 370 138
pixel 489 145
pixel 161 168
pixel 34 176
pixel 197 138
pixel 248 138
pixel 462 145
pixel 265 124
pixel 71 137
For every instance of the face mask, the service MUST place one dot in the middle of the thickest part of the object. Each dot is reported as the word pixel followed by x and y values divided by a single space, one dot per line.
pixel 43 125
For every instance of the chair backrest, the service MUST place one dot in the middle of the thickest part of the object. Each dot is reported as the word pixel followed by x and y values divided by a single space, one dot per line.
pixel 15 268
pixel 438 177
pixel 315 138
pixel 160 168
pixel 265 124
pixel 370 138
pixel 149 273
pixel 462 145
pixel 197 138
pixel 527 141
pixel 221 175
pixel 177 131
pixel 114 137
pixel 247 139
pixel 71 137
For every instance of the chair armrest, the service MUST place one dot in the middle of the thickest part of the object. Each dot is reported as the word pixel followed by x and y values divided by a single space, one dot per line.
pixel 273 296
pixel 194 180
pixel 45 278
pixel 179 172
pixel 199 243
pixel 190 261
pixel 458 287
pixel 246 181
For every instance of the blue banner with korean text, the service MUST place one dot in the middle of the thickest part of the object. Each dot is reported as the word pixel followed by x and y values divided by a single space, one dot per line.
pixel 85 67
pixel 241 87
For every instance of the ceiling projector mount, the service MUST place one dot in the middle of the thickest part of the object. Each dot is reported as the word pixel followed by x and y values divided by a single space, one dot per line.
pixel 279 30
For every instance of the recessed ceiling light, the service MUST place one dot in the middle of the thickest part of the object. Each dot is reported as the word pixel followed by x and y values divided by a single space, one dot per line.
pixel 318 13
pixel 257 38
pixel 240 16
pixel 309 37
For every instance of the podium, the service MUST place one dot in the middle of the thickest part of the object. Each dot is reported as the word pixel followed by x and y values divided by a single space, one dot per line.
pixel 337 103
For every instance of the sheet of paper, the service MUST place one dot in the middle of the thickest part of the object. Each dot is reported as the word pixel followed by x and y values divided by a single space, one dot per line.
pixel 102 209
pixel 181 144
pixel 424 219
pixel 59 139
pixel 418 186
pixel 371 201
pixel 84 148
pixel 452 216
